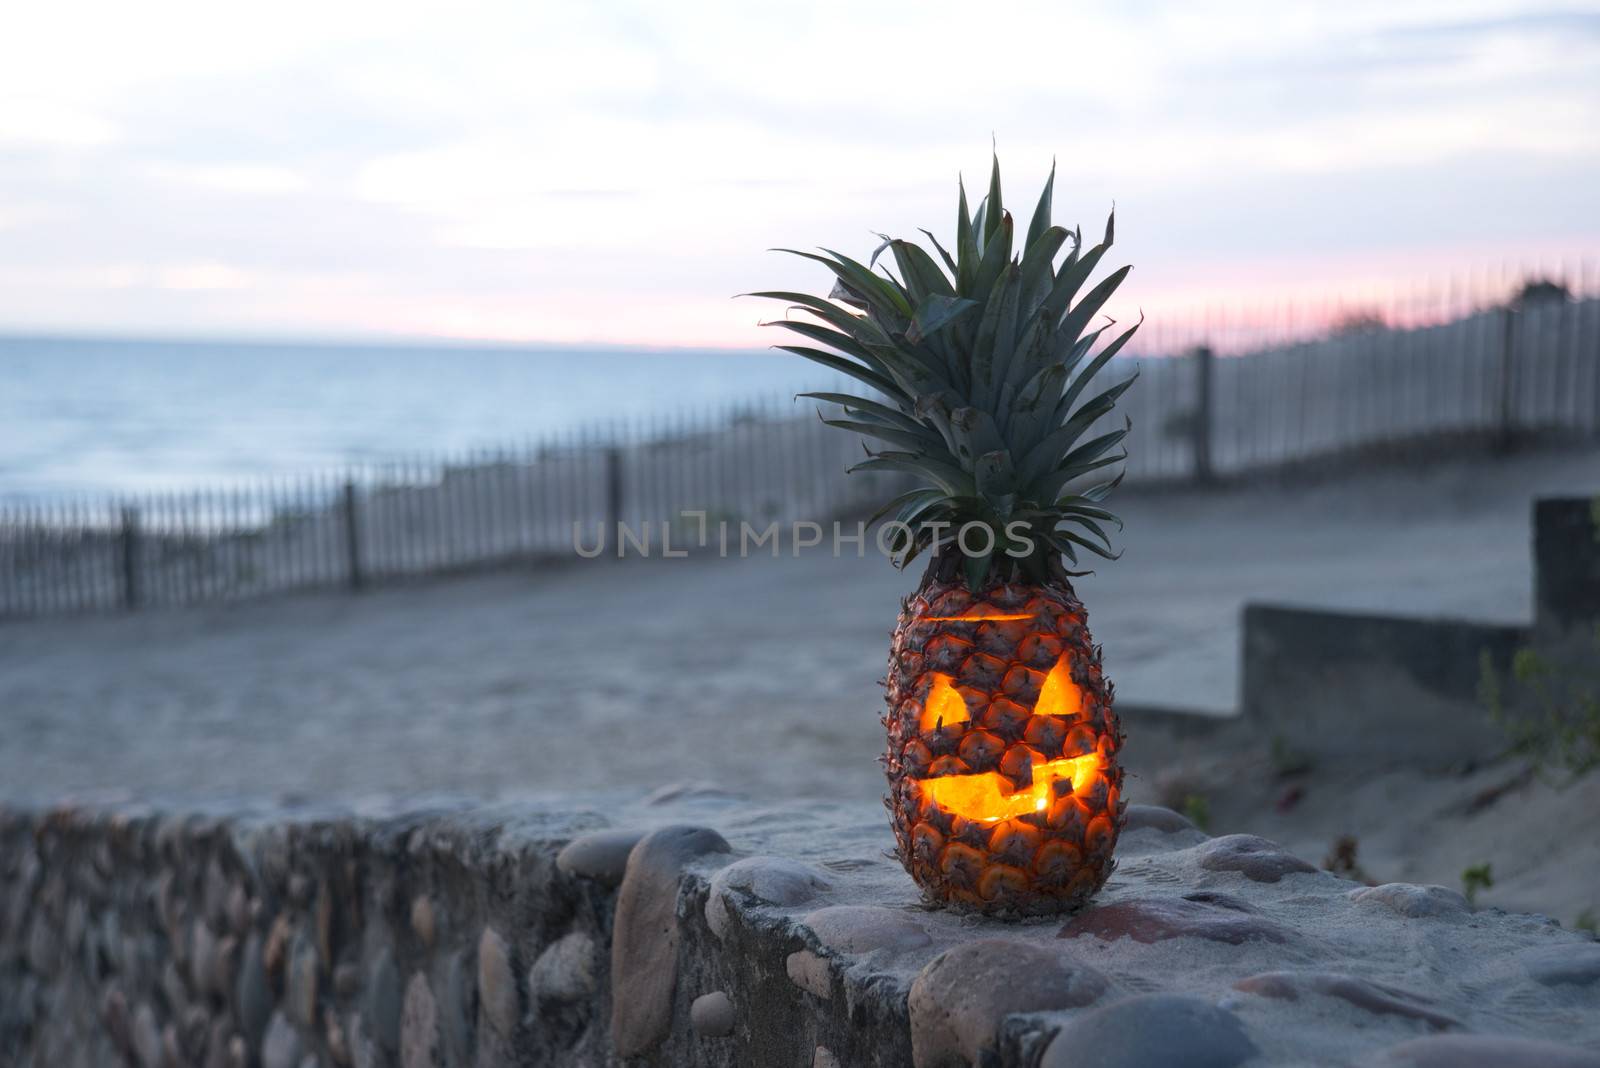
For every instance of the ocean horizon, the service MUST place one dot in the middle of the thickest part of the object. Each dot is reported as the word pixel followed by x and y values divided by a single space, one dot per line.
pixel 105 416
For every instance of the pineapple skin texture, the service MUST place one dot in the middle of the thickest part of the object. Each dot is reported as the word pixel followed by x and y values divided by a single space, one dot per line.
pixel 1043 862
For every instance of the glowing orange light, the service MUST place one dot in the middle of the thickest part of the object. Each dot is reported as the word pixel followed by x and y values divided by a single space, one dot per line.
pixel 989 797
pixel 944 705
pixel 980 617
pixel 1059 696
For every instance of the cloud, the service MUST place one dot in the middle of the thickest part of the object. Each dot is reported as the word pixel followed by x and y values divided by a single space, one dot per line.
pixel 235 178
pixel 613 172
pixel 26 121
pixel 203 276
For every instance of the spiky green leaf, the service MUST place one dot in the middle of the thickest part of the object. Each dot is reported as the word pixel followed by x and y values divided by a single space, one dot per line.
pixel 904 438
pixel 1041 212
pixel 981 358
pixel 923 276
pixel 909 497
pixel 862 405
pixel 877 291
pixel 947 477
pixel 934 314
pixel 849 368
pixel 996 207
pixel 976 570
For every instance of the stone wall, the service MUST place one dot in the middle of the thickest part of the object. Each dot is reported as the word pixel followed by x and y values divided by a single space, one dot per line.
pixel 231 939
pixel 442 937
pixel 783 937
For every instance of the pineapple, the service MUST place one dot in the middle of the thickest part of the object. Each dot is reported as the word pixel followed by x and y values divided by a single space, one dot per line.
pixel 1002 756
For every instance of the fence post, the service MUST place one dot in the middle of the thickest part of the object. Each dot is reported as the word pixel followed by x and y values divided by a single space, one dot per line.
pixel 1204 406
pixel 131 593
pixel 613 497
pixel 352 536
pixel 1504 432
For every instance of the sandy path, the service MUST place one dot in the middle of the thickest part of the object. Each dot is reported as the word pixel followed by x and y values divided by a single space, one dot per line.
pixel 758 673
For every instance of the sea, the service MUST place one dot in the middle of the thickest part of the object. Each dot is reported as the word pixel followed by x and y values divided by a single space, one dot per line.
pixel 94 417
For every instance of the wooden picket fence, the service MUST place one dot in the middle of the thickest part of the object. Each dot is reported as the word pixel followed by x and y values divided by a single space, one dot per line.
pixel 1200 411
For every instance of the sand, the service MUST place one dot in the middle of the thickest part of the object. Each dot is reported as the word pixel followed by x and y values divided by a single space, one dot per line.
pixel 759 673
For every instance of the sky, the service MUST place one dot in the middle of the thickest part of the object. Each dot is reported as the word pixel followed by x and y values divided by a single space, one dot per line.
pixel 616 172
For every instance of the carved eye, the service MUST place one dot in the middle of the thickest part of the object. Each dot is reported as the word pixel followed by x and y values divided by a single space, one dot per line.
pixel 1059 696
pixel 944 705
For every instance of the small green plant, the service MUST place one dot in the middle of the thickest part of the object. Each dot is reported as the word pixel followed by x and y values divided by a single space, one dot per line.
pixel 1478 877
pixel 1198 811
pixel 1587 921
pixel 1555 722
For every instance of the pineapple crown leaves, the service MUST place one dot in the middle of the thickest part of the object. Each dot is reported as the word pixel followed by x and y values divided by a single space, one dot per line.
pixel 980 377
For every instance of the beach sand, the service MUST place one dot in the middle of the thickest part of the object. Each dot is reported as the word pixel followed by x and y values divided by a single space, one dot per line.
pixel 757 674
